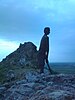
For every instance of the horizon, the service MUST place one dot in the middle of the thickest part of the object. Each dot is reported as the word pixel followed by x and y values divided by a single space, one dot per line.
pixel 24 20
pixel 37 50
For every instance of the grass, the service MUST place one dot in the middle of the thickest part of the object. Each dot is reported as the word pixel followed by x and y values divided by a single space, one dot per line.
pixel 19 71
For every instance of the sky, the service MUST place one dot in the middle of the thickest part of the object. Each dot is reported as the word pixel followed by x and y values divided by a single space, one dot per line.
pixel 24 20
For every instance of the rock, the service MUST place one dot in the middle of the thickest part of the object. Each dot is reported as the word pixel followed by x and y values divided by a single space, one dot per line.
pixel 26 52
pixel 38 86
pixel 30 85
pixel 19 92
pixel 24 90
pixel 22 61
pixel 2 90
pixel 21 82
pixel 33 86
pixel 7 85
pixel 10 75
pixel 31 76
pixel 42 87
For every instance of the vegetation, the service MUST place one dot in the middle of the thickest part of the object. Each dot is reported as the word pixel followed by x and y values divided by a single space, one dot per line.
pixel 19 71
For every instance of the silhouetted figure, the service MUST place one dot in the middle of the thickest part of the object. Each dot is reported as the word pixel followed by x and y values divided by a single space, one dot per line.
pixel 43 49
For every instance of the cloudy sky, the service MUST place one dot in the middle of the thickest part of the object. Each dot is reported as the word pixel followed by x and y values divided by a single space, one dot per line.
pixel 24 20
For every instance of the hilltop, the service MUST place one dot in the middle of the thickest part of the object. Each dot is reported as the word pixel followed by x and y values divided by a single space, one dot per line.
pixel 25 55
pixel 20 80
pixel 19 61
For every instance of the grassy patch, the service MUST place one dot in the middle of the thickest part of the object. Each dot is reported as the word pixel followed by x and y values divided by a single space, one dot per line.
pixel 18 71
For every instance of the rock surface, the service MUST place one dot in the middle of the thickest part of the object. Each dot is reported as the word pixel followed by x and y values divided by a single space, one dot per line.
pixel 36 86
pixel 25 55
pixel 15 64
pixel 25 84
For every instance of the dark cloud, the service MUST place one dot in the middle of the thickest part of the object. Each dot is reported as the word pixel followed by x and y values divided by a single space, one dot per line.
pixel 24 21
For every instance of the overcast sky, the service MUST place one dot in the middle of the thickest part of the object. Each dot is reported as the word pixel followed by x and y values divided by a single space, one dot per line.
pixel 24 20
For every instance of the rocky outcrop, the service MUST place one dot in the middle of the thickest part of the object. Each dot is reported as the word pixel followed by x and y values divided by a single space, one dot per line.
pixel 15 64
pixel 32 85
pixel 25 55
pixel 36 86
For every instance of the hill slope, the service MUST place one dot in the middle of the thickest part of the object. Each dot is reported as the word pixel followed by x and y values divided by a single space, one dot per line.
pixel 19 61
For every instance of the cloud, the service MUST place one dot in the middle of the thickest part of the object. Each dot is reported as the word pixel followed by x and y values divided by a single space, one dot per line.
pixel 58 10
pixel 8 44
pixel 7 47
pixel 25 13
pixel 24 20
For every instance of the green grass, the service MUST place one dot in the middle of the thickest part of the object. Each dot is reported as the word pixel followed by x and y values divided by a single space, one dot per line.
pixel 2 74
pixel 19 72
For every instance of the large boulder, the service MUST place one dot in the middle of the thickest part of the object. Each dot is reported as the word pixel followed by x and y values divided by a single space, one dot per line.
pixel 25 55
